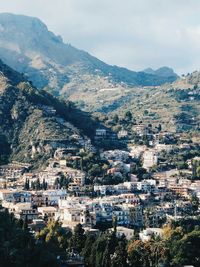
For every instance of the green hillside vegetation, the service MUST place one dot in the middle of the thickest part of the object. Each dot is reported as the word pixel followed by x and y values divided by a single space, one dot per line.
pixel 29 117
pixel 174 109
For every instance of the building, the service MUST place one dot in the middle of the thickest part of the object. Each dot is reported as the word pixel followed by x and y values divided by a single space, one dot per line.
pixel 121 230
pixel 7 195
pixel 12 171
pixel 140 129
pixel 47 213
pixel 115 155
pixel 150 159
pixel 22 211
pixel 148 233
pixel 38 199
pixel 146 186
pixel 71 216
pixel 103 134
pixel 122 134
pixel 52 197
pixel 180 190
pixel 74 188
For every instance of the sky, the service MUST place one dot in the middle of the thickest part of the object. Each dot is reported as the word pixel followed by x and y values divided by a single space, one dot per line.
pixel 136 34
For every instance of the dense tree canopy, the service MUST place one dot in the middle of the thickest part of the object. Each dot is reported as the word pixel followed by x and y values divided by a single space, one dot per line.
pixel 180 245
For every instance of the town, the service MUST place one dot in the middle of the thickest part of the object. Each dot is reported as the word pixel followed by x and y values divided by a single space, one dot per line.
pixel 142 187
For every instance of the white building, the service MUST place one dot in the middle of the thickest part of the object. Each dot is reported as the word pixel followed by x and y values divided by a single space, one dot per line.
pixel 47 212
pixel 148 233
pixel 150 159
pixel 52 196
pixel 121 230
pixel 22 211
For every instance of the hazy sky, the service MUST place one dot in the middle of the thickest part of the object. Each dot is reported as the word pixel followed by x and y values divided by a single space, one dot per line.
pixel 132 33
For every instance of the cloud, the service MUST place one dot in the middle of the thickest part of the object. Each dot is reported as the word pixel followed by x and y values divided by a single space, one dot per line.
pixel 130 33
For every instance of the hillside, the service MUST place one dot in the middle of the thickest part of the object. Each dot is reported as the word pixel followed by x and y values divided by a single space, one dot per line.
pixel 33 123
pixel 29 47
pixel 175 106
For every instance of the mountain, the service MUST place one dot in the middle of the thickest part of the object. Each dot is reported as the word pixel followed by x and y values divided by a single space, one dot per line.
pixel 163 72
pixel 149 71
pixel 33 123
pixel 29 47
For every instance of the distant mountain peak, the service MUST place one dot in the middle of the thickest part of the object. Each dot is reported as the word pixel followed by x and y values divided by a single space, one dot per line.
pixel 149 71
pixel 162 71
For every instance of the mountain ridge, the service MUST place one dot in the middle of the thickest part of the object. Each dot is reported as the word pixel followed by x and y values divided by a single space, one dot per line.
pixel 60 68
pixel 162 71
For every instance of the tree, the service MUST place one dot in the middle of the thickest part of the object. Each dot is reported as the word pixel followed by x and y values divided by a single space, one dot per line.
pixel 187 250
pixel 87 250
pixel 78 238
pixel 195 169
pixel 195 86
pixel 105 167
pixel 25 224
pixel 56 182
pixel 56 237
pixel 97 251
pixel 27 184
pixel 114 223
pixel 109 250
pixel 95 170
pixel 159 127
pixel 32 185
pixel 195 202
pixel 115 119
pixel 128 116
pixel 198 172
pixel 137 254
pixel 158 253
pixel 120 256
pixel 37 184
pixel 44 185
pixel 19 247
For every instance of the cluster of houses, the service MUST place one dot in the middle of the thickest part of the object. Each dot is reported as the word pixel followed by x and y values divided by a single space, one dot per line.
pixel 128 203
pixel 133 203
pixel 37 206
